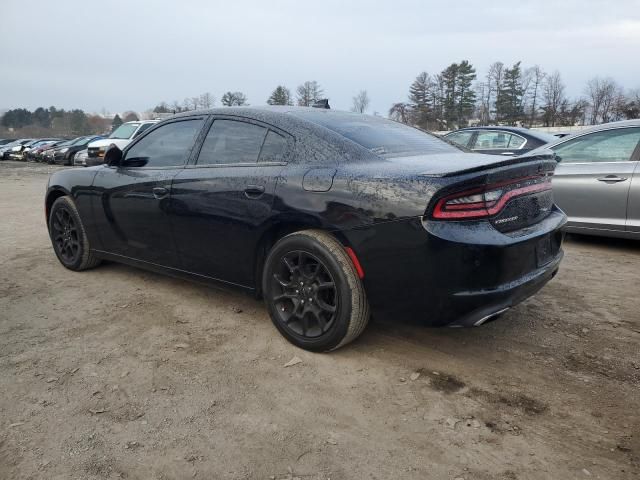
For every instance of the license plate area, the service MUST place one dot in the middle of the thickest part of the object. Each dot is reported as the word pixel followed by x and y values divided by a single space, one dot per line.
pixel 544 251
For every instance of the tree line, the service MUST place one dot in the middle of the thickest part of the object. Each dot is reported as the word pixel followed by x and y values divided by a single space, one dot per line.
pixel 453 98
pixel 510 95
pixel 306 95
pixel 58 121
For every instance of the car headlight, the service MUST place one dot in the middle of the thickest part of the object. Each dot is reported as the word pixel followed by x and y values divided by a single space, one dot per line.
pixel 64 150
pixel 101 151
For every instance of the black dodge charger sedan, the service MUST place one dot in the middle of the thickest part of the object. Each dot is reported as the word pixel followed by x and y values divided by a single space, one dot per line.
pixel 329 216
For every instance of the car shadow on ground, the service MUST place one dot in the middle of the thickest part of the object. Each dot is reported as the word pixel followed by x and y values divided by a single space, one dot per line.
pixel 606 242
pixel 391 336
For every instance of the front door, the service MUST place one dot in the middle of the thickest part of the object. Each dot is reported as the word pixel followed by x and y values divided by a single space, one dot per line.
pixel 222 204
pixel 592 180
pixel 133 199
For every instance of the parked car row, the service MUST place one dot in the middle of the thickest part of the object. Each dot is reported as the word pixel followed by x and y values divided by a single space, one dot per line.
pixel 597 179
pixel 80 151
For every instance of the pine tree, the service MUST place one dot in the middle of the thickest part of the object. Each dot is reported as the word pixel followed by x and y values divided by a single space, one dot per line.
pixel 465 95
pixel 117 121
pixel 280 96
pixel 420 95
pixel 509 104
pixel 450 79
pixel 420 90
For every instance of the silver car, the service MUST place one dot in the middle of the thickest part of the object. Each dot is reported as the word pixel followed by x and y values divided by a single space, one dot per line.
pixel 80 158
pixel 597 181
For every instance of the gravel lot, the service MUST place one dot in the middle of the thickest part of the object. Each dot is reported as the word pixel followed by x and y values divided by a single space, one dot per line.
pixel 120 373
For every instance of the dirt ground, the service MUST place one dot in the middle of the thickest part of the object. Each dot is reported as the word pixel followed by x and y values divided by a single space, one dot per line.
pixel 120 373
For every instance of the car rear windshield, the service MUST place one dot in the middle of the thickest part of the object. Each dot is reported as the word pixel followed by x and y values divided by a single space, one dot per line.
pixel 125 130
pixel 381 136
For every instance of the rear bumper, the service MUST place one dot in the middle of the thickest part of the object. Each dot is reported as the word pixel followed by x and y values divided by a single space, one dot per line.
pixel 478 307
pixel 454 273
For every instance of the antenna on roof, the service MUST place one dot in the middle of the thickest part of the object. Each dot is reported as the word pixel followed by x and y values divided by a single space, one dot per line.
pixel 324 103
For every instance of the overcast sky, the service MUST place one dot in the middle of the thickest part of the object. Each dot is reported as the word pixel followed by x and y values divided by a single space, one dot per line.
pixel 121 55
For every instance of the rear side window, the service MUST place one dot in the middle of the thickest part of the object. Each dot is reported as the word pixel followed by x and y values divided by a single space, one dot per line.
pixel 497 141
pixel 460 138
pixel 273 148
pixel 616 145
pixel 382 137
pixel 231 141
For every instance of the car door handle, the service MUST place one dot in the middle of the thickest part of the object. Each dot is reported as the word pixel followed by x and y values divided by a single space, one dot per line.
pixel 160 192
pixel 611 179
pixel 508 153
pixel 254 191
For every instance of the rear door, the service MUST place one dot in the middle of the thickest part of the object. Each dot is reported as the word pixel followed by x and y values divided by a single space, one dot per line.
pixel 498 142
pixel 593 178
pixel 221 204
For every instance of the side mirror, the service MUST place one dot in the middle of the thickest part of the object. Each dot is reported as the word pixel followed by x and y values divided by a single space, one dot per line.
pixel 113 156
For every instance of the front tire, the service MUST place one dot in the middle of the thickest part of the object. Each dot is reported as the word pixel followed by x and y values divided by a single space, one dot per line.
pixel 313 293
pixel 68 236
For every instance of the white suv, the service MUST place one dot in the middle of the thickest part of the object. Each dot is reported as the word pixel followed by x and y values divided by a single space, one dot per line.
pixel 120 137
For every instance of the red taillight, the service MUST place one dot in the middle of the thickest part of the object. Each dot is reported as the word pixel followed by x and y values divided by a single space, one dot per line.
pixel 487 201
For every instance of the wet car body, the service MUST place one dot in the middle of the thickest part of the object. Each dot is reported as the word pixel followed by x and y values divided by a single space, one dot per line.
pixel 216 223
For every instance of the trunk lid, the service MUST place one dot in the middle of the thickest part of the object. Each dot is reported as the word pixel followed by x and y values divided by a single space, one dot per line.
pixel 511 193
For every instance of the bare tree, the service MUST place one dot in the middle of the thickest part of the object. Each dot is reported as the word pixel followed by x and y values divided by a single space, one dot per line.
pixel 206 100
pixel 604 96
pixel 536 75
pixel 400 112
pixel 553 95
pixel 309 93
pixel 494 80
pixel 234 99
pixel 130 116
pixel 360 102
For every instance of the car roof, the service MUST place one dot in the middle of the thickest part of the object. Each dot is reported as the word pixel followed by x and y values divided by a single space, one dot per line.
pixel 262 110
pixel 608 126
pixel 543 136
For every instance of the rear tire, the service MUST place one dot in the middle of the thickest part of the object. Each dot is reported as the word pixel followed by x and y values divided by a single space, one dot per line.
pixel 313 293
pixel 68 236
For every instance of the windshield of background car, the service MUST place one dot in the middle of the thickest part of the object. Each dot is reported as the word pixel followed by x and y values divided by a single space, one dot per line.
pixel 382 137
pixel 125 130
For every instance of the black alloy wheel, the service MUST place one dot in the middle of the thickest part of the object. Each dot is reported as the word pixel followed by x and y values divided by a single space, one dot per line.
pixel 65 235
pixel 68 236
pixel 305 297
pixel 313 292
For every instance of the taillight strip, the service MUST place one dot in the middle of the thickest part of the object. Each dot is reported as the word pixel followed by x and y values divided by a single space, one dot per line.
pixel 482 209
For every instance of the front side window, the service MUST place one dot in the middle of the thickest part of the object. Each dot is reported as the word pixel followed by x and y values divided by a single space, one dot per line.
pixel 232 141
pixel 167 146
pixel 460 138
pixel 606 146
